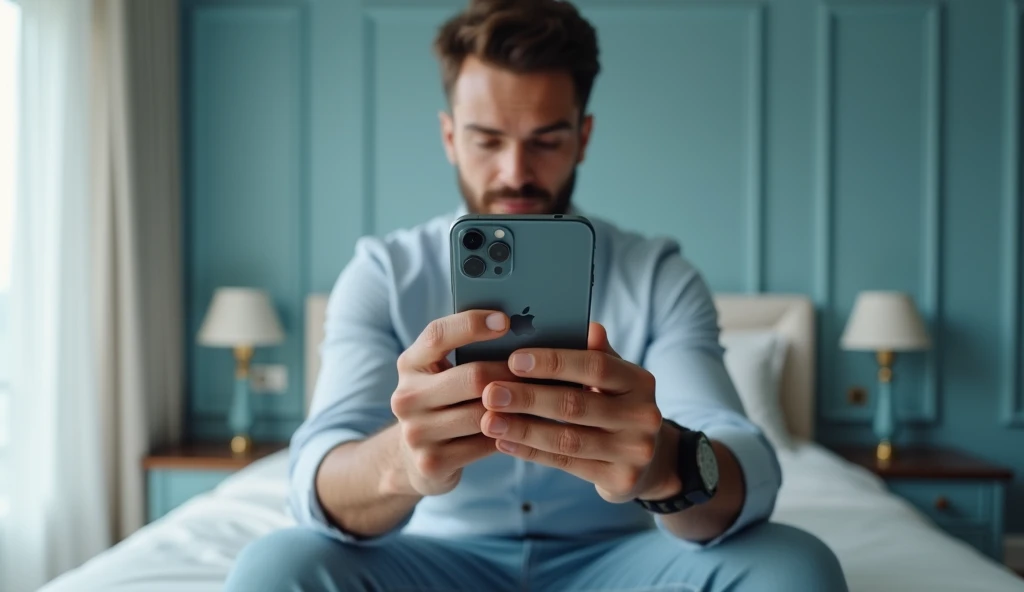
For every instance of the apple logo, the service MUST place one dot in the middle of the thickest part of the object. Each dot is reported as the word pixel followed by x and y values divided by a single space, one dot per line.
pixel 522 324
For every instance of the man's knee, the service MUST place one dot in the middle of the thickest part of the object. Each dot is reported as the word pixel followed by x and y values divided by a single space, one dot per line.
pixel 289 559
pixel 788 558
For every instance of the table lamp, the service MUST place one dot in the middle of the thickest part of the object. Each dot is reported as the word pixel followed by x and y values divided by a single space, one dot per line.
pixel 242 319
pixel 885 323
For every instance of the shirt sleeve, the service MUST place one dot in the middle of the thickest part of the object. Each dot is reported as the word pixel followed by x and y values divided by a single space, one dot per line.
pixel 695 389
pixel 358 374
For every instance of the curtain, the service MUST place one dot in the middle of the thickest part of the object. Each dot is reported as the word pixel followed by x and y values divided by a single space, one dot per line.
pixel 58 515
pixel 96 284
pixel 137 248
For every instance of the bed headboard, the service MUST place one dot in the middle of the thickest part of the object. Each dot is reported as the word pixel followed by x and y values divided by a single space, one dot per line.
pixel 790 315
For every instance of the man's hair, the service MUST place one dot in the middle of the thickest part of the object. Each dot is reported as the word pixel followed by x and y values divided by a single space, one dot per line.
pixel 522 36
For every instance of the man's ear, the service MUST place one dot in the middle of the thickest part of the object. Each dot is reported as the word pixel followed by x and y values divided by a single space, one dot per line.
pixel 586 127
pixel 447 135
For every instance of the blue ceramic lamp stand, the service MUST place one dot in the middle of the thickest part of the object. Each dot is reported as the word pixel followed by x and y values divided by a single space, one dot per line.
pixel 240 416
pixel 884 423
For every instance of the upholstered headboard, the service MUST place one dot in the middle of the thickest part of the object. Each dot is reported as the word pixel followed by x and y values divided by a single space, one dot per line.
pixel 790 316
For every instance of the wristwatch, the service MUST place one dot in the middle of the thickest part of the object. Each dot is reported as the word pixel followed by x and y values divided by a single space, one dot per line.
pixel 697 468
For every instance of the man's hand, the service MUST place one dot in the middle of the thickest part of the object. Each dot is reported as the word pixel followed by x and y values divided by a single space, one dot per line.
pixel 611 431
pixel 438 406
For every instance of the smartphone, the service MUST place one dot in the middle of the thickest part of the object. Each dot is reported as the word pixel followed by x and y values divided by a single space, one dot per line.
pixel 538 269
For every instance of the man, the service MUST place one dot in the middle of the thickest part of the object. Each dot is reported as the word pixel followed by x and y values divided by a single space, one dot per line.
pixel 413 474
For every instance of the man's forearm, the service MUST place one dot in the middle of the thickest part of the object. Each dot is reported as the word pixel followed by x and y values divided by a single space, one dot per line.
pixel 363 487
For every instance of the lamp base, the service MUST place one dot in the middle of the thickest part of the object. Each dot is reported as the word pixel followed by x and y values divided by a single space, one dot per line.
pixel 241 445
pixel 883 453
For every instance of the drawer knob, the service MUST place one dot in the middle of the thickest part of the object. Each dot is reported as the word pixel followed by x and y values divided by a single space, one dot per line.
pixel 941 503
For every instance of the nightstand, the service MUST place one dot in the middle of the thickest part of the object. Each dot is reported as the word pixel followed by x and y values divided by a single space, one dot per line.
pixel 963 494
pixel 175 474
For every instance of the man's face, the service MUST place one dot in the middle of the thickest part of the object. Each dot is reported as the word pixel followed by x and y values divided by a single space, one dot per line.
pixel 515 139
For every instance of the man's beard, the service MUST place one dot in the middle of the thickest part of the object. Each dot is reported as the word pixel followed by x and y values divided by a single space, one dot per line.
pixel 559 204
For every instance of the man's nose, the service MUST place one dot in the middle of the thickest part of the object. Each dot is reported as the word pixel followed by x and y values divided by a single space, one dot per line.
pixel 515 166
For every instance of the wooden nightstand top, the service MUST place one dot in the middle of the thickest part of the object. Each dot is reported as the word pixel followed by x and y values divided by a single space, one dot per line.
pixel 207 456
pixel 925 462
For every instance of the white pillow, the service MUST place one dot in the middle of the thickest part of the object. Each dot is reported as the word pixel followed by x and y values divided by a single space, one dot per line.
pixel 754 360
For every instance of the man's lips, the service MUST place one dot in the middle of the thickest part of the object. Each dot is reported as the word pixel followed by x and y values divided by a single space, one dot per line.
pixel 518 205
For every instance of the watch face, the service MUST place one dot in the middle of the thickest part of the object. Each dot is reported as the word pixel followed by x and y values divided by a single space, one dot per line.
pixel 708 464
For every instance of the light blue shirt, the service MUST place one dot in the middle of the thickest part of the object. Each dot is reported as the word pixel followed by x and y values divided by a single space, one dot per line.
pixel 658 312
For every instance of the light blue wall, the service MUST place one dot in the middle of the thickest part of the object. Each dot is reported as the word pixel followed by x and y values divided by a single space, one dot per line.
pixel 791 146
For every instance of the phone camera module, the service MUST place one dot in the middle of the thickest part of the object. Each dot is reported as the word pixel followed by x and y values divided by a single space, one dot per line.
pixel 499 251
pixel 474 266
pixel 473 240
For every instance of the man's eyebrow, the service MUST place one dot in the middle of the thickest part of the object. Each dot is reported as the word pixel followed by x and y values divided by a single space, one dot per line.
pixel 546 129
pixel 554 127
pixel 490 131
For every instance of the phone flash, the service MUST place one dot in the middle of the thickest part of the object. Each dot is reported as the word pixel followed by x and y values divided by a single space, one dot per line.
pixel 499 233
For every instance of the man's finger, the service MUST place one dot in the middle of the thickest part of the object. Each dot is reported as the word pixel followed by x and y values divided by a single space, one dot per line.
pixel 597 339
pixel 453 386
pixel 443 335
pixel 579 442
pixel 444 459
pixel 445 424
pixel 561 403
pixel 465 382
pixel 586 469
pixel 592 368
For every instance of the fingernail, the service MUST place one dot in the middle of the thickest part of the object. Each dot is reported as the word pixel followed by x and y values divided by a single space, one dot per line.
pixel 522 362
pixel 495 321
pixel 499 397
pixel 506 446
pixel 498 426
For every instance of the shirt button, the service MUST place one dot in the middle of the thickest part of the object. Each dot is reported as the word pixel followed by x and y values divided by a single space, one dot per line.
pixel 527 507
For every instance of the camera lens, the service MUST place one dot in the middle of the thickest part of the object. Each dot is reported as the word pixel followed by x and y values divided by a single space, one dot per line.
pixel 498 251
pixel 474 266
pixel 473 240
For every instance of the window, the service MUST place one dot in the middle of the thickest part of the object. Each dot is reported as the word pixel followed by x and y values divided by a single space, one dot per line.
pixel 10 28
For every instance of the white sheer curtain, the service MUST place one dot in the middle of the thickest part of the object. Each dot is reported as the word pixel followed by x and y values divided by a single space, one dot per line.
pixel 58 514
pixel 96 287
pixel 136 194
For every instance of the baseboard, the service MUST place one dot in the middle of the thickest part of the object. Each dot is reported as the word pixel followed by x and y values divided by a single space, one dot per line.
pixel 1013 552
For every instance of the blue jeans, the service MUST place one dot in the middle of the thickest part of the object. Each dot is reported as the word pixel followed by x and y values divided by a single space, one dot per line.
pixel 765 558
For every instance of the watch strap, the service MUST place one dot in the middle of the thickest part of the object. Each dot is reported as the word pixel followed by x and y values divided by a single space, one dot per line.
pixel 691 491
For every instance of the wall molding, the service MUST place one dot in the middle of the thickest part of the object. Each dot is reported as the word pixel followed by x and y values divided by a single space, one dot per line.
pixel 206 406
pixel 824 263
pixel 756 133
pixel 369 112
pixel 1013 224
pixel 756 221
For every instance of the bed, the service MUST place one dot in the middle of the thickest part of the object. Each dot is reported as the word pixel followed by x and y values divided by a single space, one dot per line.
pixel 882 542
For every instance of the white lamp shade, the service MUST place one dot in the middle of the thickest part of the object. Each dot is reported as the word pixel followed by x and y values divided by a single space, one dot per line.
pixel 240 317
pixel 885 321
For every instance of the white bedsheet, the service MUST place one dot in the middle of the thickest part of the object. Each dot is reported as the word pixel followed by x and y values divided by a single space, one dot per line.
pixel 882 542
